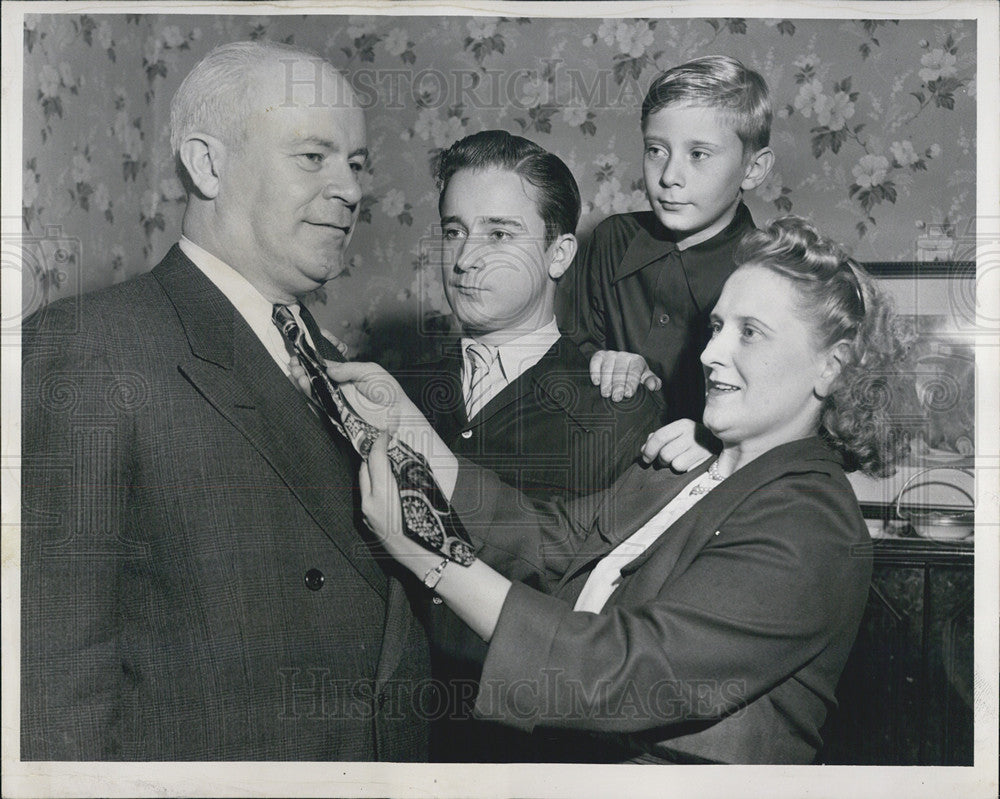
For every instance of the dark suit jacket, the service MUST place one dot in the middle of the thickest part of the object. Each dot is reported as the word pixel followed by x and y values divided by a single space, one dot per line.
pixel 725 639
pixel 193 585
pixel 550 432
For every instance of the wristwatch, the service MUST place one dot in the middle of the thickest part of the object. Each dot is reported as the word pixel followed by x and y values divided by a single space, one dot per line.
pixel 433 575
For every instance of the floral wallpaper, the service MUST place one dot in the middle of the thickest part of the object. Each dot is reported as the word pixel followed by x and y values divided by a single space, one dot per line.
pixel 874 134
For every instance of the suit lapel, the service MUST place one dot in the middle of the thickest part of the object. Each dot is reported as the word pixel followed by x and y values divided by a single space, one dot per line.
pixel 690 533
pixel 234 373
pixel 535 377
pixel 441 396
pixel 638 497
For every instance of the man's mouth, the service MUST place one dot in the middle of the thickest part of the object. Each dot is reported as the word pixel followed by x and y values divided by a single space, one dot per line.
pixel 331 226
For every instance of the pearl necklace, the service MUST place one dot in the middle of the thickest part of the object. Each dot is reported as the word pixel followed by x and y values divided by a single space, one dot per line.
pixel 714 473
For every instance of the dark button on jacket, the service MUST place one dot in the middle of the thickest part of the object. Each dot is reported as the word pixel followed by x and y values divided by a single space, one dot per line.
pixel 315 579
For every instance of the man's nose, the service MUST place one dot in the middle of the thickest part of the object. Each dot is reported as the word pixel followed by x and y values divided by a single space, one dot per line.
pixel 467 255
pixel 343 185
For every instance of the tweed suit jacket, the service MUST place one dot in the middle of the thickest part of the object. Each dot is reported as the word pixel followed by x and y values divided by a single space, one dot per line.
pixel 193 582
pixel 723 641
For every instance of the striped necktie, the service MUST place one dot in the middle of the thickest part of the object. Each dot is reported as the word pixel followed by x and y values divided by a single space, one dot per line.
pixel 480 360
pixel 427 517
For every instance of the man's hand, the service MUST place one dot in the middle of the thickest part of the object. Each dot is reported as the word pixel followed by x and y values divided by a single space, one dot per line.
pixel 681 445
pixel 620 373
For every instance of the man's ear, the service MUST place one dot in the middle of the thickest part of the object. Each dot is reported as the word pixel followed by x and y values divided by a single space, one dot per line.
pixel 202 156
pixel 757 169
pixel 833 365
pixel 560 254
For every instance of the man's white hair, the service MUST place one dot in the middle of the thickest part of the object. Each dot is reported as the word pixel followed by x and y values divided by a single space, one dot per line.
pixel 215 96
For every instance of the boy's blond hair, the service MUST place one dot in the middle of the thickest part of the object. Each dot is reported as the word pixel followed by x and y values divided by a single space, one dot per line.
pixel 721 82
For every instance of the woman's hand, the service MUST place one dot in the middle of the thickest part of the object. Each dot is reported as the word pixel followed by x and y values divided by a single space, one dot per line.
pixel 380 497
pixel 681 445
pixel 475 592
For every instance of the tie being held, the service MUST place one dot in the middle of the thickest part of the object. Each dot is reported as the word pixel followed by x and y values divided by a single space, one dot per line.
pixel 427 517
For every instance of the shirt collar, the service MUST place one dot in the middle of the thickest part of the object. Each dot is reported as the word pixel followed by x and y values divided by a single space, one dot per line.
pixel 518 355
pixel 652 242
pixel 253 306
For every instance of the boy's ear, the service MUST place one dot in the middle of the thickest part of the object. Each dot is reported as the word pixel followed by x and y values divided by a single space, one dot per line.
pixel 758 168
pixel 560 255
pixel 202 155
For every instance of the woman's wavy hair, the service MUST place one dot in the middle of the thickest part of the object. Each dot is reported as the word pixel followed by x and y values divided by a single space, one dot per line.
pixel 863 416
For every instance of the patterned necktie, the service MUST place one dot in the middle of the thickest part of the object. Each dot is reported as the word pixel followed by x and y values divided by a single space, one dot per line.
pixel 480 359
pixel 427 517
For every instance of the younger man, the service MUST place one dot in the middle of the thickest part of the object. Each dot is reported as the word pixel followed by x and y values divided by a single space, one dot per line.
pixel 646 282
pixel 515 396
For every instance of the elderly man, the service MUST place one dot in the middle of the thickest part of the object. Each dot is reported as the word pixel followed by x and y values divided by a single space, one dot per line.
pixel 194 585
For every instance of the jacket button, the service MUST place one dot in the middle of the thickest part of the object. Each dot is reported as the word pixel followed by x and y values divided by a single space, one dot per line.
pixel 466 434
pixel 664 319
pixel 315 579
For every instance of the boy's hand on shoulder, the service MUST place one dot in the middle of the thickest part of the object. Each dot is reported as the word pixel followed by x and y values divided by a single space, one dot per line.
pixel 620 373
pixel 681 445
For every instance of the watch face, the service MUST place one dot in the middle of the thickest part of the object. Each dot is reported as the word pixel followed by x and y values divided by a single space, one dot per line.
pixel 434 575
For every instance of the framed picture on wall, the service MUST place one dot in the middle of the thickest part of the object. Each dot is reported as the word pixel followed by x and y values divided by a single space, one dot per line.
pixel 932 493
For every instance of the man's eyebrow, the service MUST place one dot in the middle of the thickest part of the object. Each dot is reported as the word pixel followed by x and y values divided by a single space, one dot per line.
pixel 506 221
pixel 452 220
pixel 361 151
pixel 317 141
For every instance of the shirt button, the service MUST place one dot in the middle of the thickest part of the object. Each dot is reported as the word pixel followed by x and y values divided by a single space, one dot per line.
pixel 466 434
pixel 315 579
pixel 664 319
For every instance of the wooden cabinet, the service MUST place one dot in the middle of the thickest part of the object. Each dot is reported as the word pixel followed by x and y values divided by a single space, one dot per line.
pixel 906 692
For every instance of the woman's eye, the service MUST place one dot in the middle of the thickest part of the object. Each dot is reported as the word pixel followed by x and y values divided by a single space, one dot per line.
pixel 749 332
pixel 714 328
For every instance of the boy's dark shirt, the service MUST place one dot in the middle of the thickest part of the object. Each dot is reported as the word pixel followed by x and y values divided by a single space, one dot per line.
pixel 635 291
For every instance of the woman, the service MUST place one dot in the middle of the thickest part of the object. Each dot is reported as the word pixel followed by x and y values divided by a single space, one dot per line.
pixel 703 617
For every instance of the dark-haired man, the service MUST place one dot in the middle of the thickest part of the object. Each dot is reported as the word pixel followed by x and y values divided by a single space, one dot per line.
pixel 514 394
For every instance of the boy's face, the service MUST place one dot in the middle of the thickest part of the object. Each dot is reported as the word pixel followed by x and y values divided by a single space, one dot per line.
pixel 694 168
pixel 496 268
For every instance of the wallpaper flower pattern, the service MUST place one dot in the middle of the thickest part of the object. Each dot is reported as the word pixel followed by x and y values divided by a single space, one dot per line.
pixel 874 134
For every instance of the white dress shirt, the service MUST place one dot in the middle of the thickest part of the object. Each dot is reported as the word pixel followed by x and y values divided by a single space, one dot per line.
pixel 251 304
pixel 513 359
